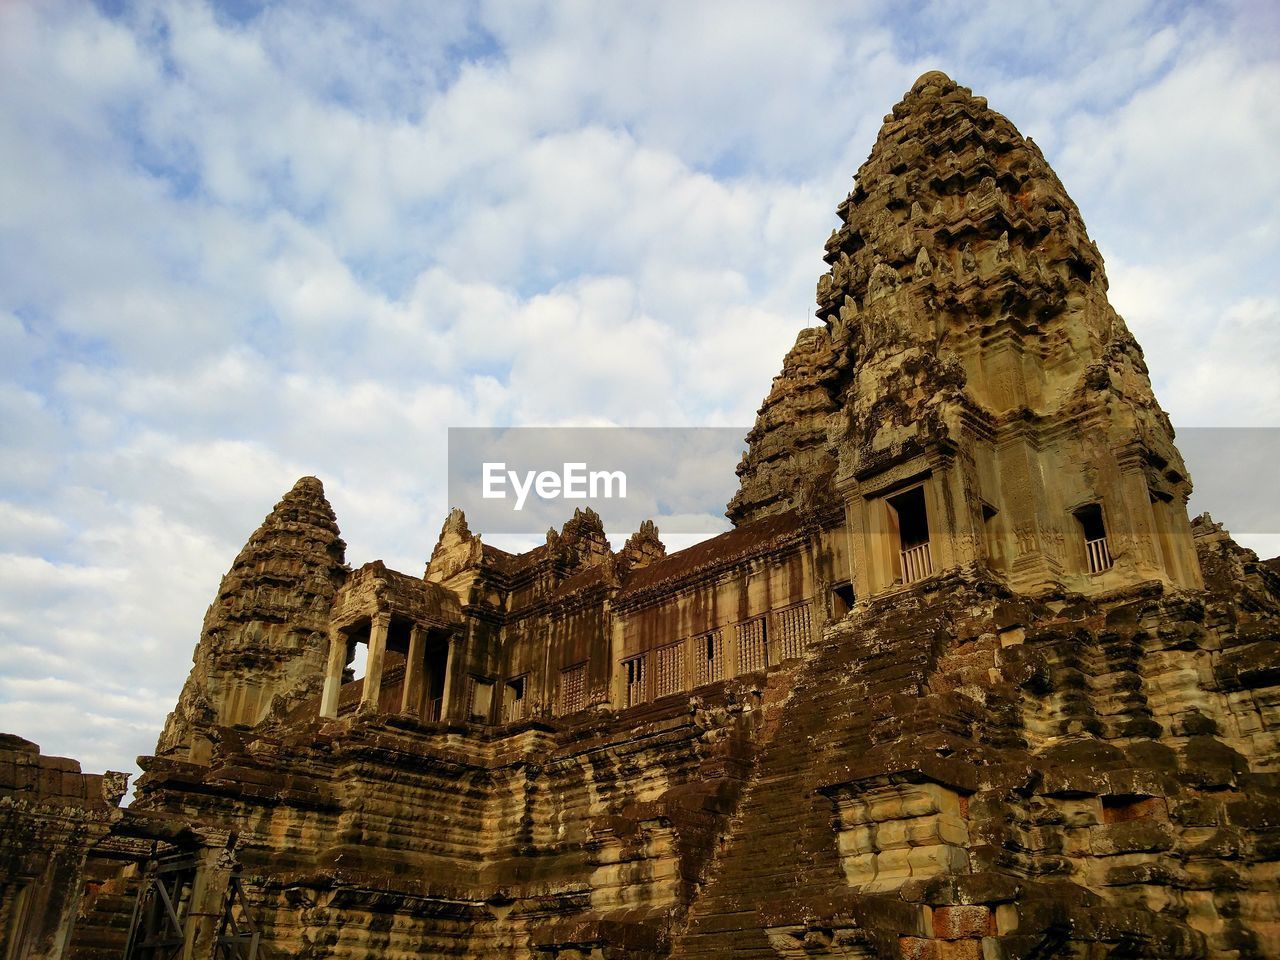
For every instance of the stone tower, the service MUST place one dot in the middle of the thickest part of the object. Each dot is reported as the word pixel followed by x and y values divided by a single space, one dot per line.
pixel 265 634
pixel 984 403
pixel 789 461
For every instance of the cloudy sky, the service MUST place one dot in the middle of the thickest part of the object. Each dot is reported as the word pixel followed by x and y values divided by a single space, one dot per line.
pixel 244 242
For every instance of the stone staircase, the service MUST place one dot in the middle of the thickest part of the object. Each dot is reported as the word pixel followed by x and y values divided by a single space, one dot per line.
pixel 102 929
pixel 779 863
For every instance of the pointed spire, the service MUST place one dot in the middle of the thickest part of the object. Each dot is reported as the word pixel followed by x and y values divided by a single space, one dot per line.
pixel 942 142
pixel 455 525
pixel 456 549
pixel 264 635
pixel 1002 247
pixel 793 417
pixel 582 540
pixel 1007 258
pixel 303 516
pixel 643 547
pixel 924 266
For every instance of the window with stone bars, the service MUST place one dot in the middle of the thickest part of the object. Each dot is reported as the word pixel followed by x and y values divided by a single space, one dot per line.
pixel 708 650
pixel 513 699
pixel 633 674
pixel 668 677
pixel 753 652
pixel 792 630
pixel 479 698
pixel 573 688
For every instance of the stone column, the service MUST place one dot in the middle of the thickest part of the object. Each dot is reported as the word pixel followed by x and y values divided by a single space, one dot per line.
pixel 729 639
pixel 208 901
pixel 694 647
pixel 859 541
pixel 414 665
pixel 452 670
pixel 1024 504
pixel 817 588
pixel 51 903
pixel 1179 543
pixel 617 698
pixel 333 674
pixel 373 668
pixel 879 562
pixel 952 503
pixel 1134 523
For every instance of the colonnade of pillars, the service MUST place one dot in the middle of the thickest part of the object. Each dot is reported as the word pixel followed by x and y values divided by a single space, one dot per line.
pixel 415 675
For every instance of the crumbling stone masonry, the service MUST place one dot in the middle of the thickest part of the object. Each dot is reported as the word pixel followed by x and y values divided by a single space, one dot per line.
pixel 962 682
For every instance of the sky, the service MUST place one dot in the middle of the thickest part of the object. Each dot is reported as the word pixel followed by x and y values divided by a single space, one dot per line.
pixel 245 242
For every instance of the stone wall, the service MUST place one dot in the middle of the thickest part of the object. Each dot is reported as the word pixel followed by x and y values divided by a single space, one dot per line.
pixel 51 817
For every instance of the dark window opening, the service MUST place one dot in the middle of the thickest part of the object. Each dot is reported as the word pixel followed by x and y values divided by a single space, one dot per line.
pixel 842 599
pixel 1097 551
pixel 912 522
pixel 991 535
pixel 437 661
pixel 513 700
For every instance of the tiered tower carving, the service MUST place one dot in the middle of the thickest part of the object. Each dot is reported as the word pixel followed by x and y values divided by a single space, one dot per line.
pixel 987 406
pixel 264 640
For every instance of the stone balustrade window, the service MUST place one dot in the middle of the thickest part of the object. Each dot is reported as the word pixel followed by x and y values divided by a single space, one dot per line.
pixel 792 626
pixel 633 672
pixel 910 519
pixel 513 699
pixel 753 649
pixel 669 669
pixel 479 698
pixel 709 651
pixel 1096 548
pixel 573 688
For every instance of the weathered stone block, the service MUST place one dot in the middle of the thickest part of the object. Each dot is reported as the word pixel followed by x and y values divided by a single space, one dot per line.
pixel 958 922
pixel 1133 836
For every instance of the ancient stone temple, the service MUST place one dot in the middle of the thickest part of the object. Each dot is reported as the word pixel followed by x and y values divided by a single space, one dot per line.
pixel 962 682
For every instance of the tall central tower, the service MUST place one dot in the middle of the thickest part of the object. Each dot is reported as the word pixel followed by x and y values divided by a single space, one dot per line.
pixel 983 403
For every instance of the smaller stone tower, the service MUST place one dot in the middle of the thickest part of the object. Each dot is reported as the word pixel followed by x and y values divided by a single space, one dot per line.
pixel 265 634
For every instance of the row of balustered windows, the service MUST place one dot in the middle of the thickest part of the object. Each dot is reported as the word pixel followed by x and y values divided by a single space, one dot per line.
pixel 666 670
pixel 663 671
